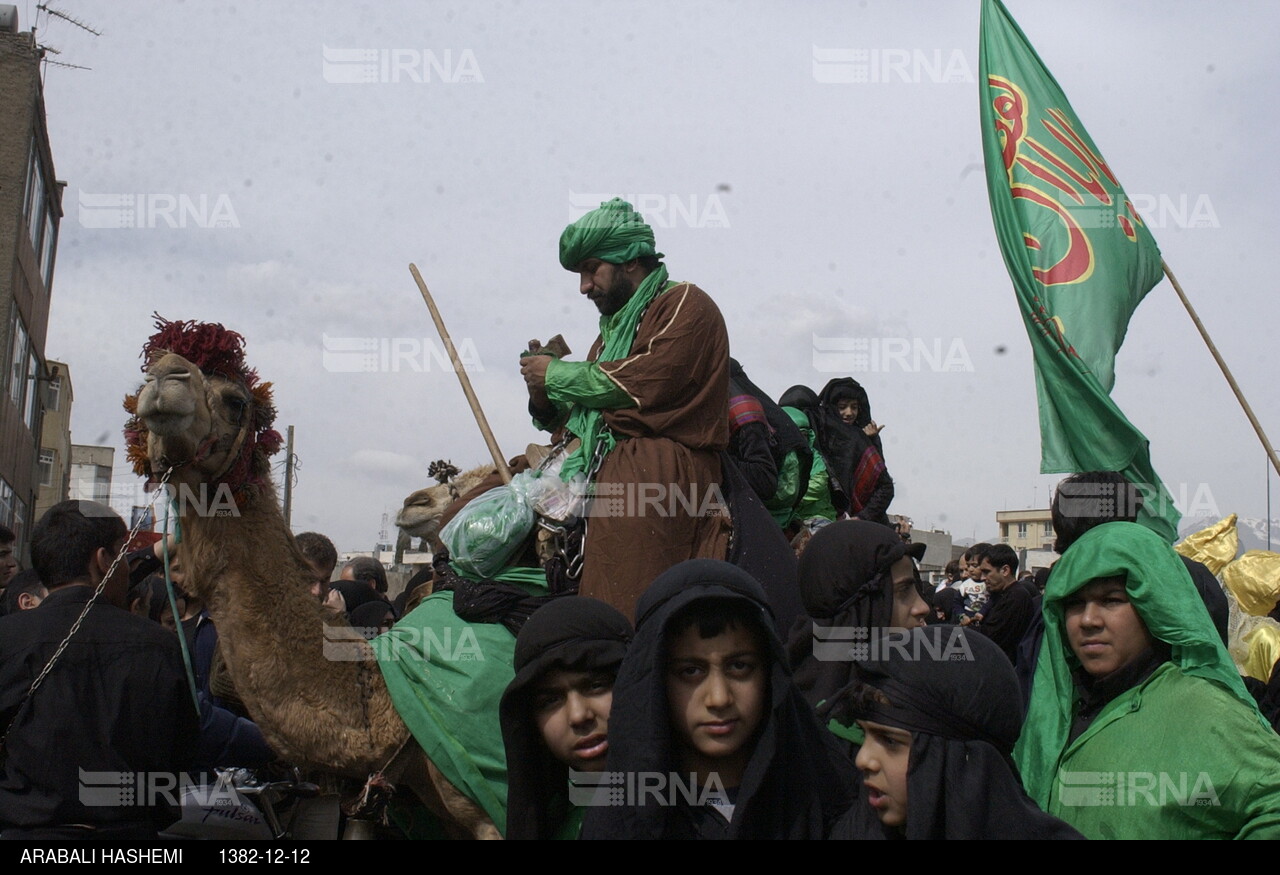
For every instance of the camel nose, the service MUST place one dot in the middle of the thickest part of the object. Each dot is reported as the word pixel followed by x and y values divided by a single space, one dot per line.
pixel 169 398
pixel 170 367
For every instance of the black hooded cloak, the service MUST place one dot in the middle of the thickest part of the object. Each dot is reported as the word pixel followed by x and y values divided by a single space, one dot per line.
pixel 854 460
pixel 957 695
pixel 844 581
pixel 795 784
pixel 575 633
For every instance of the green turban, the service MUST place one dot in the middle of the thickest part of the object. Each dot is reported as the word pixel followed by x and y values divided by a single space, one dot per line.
pixel 615 233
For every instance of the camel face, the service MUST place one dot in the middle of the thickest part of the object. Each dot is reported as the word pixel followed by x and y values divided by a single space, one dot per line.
pixel 422 511
pixel 194 420
pixel 420 516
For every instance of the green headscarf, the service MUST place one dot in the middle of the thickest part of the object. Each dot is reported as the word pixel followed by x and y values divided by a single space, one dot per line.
pixel 1162 593
pixel 615 233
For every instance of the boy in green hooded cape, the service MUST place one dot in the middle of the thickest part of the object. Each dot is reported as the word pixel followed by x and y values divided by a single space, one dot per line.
pixel 1139 726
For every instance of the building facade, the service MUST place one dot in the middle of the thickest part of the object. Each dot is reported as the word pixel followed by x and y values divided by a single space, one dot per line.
pixel 54 462
pixel 91 473
pixel 30 213
pixel 1026 529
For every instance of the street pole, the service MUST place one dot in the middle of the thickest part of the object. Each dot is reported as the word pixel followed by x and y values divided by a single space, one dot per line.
pixel 288 479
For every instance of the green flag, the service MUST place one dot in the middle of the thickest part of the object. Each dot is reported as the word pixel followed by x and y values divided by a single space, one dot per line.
pixel 1080 258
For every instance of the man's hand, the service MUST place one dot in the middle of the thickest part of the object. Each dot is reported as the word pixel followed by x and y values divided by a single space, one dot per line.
pixel 534 370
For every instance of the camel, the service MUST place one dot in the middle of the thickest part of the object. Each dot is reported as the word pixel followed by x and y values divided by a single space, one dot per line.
pixel 203 415
pixel 420 516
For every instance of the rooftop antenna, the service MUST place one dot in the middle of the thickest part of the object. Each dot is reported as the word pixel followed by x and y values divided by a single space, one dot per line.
pixel 45 49
pixel 56 13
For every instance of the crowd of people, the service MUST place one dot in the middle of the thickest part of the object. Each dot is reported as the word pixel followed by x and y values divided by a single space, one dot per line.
pixel 767 665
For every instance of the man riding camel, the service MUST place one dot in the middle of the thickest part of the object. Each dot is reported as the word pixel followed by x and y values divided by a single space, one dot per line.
pixel 648 406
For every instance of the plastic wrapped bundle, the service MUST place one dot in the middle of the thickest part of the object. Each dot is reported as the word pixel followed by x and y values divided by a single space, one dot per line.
pixel 491 529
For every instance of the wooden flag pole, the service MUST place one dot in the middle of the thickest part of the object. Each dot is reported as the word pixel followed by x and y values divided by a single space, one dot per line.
pixel 1226 372
pixel 458 369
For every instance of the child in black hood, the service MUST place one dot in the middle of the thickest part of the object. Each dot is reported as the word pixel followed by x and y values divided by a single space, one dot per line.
pixel 555 712
pixel 705 692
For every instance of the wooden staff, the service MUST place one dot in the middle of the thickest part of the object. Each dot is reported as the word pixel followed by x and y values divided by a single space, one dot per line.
pixel 1226 372
pixel 498 458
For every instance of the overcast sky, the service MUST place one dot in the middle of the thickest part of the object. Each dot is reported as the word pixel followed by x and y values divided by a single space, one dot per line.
pixel 815 167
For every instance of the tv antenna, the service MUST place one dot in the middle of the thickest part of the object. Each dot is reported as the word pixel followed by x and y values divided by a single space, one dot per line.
pixel 47 49
pixel 57 13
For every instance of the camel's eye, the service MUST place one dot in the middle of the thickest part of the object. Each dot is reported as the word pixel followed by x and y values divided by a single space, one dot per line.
pixel 235 408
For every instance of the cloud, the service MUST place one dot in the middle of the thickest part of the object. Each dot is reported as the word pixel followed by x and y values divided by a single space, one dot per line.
pixel 386 465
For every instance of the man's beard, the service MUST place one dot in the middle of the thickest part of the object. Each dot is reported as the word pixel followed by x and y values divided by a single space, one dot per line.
pixel 617 297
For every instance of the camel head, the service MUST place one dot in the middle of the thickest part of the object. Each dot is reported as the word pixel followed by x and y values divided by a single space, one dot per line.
pixel 422 512
pixel 201 411
pixel 420 516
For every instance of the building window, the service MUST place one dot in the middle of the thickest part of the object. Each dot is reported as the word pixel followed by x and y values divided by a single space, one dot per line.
pixel 47 460
pixel 36 205
pixel 1022 530
pixel 6 502
pixel 1048 529
pixel 53 394
pixel 33 397
pixel 18 362
pixel 46 253
pixel 19 520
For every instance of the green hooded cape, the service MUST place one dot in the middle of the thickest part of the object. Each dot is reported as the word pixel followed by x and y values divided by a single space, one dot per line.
pixel 1162 593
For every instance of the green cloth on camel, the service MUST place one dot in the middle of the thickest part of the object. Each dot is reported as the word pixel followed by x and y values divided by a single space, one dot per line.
pixel 446 677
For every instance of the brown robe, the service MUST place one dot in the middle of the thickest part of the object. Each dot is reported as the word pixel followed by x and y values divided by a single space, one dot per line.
pixel 658 494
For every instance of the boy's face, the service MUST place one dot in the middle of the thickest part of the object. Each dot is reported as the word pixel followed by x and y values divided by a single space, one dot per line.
pixel 571 711
pixel 909 609
pixel 883 760
pixel 320 575
pixel 716 690
pixel 1103 628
